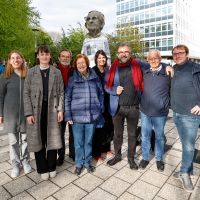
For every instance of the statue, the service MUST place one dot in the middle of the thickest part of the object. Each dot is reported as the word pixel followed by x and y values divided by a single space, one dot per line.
pixel 95 40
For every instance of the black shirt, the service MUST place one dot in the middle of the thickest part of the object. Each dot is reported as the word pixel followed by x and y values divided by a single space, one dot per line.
pixel 45 82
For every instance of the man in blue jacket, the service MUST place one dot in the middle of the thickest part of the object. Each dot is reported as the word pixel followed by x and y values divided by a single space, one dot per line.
pixel 154 107
pixel 185 102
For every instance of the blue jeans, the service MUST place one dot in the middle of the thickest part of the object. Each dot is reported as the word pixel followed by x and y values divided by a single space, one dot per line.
pixel 187 127
pixel 147 124
pixel 83 134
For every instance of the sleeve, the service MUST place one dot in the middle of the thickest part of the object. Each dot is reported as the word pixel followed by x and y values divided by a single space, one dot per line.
pixel 2 94
pixel 28 108
pixel 100 94
pixel 143 65
pixel 60 93
pixel 68 99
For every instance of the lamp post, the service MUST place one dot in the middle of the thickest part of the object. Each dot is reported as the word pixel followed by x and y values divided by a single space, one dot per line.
pixel 35 30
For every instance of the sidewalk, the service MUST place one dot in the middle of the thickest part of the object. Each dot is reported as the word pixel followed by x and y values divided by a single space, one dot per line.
pixel 106 183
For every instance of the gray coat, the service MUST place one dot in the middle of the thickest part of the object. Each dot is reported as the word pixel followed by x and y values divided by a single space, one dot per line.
pixel 11 103
pixel 33 96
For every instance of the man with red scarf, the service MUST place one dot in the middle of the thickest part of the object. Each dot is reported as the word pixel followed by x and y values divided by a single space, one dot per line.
pixel 65 68
pixel 124 83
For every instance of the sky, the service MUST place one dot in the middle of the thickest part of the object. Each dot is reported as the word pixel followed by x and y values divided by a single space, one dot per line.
pixel 62 13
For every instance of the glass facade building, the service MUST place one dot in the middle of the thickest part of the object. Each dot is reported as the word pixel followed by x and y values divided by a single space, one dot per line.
pixel 163 23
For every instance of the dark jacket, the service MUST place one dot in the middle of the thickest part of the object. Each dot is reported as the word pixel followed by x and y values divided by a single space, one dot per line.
pixel 83 98
pixel 155 99
pixel 11 103
pixel 196 79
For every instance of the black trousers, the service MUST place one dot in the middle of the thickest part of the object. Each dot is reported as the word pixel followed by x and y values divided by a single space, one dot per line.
pixel 61 152
pixel 131 114
pixel 71 143
pixel 45 160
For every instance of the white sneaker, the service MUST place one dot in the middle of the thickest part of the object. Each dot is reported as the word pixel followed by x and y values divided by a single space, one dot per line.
pixel 52 174
pixel 27 168
pixel 45 176
pixel 15 172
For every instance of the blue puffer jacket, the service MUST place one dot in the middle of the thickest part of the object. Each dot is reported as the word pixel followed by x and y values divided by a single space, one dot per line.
pixel 155 99
pixel 83 98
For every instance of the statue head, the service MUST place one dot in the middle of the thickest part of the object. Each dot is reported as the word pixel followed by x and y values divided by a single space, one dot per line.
pixel 94 22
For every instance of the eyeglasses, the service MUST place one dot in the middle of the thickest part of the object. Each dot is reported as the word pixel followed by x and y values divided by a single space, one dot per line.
pixel 123 52
pixel 153 59
pixel 179 53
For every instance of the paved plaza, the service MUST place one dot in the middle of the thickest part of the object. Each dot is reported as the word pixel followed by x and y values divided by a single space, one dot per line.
pixel 106 183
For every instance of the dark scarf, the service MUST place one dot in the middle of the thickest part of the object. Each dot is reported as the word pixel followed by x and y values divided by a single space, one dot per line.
pixel 136 73
pixel 65 72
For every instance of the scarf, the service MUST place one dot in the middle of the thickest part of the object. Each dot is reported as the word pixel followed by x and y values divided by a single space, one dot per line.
pixel 65 72
pixel 136 73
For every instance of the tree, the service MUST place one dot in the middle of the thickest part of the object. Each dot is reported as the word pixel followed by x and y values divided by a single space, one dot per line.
pixel 72 40
pixel 16 20
pixel 129 35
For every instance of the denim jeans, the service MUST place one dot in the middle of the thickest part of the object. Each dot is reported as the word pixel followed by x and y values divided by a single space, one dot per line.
pixel 83 134
pixel 187 127
pixel 147 124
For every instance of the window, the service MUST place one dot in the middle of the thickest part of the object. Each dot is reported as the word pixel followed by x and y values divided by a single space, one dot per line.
pixel 118 7
pixel 136 17
pixel 164 27
pixel 170 26
pixel 158 27
pixel 141 29
pixel 158 43
pixel 152 29
pixel 152 44
pixel 164 11
pixel 146 29
pixel 158 13
pixel 170 41
pixel 126 6
pixel 141 16
pixel 147 15
pixel 152 14
pixel 170 10
pixel 132 18
pixel 164 42
pixel 131 4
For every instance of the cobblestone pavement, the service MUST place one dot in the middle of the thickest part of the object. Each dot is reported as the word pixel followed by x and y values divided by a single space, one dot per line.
pixel 106 183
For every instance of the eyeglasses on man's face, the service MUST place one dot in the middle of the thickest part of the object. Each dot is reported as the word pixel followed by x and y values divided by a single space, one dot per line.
pixel 181 53
pixel 123 52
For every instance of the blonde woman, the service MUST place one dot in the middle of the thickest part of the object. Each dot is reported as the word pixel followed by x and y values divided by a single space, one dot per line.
pixel 12 111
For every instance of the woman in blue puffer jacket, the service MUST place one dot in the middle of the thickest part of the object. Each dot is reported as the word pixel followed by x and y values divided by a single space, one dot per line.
pixel 83 109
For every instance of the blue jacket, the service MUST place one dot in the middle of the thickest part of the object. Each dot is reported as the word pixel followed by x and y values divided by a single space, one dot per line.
pixel 114 98
pixel 155 99
pixel 196 79
pixel 83 98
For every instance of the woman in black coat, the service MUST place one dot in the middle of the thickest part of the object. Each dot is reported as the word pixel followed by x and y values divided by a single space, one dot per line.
pixel 103 136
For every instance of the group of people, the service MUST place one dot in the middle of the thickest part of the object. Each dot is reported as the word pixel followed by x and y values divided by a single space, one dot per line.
pixel 37 104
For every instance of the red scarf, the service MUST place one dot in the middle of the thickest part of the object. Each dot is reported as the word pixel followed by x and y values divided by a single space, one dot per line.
pixel 136 73
pixel 65 72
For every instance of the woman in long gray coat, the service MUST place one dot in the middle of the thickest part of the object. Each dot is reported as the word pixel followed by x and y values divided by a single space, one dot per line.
pixel 12 111
pixel 43 104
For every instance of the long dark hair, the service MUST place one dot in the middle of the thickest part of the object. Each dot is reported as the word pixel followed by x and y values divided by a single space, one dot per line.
pixel 100 52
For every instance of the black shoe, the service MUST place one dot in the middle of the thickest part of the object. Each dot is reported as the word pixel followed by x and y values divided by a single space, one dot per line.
pixel 160 165
pixel 90 169
pixel 114 160
pixel 78 170
pixel 132 164
pixel 143 164
pixel 60 161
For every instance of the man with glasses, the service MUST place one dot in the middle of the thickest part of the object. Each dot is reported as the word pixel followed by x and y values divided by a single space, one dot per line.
pixel 154 108
pixel 124 83
pixel 185 103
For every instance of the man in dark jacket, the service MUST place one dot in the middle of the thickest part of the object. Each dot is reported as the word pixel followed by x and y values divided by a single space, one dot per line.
pixel 154 108
pixel 65 68
pixel 185 102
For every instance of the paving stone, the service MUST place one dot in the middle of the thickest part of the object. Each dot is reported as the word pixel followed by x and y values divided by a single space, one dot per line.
pixel 119 165
pixel 33 164
pixel 70 192
pixel 4 166
pixel 35 177
pixel 154 178
pixel 4 157
pixel 177 146
pixel 99 194
pixel 64 178
pixel 172 160
pixel 115 186
pixel 171 192
pixel 4 178
pixel 104 172
pixel 175 153
pixel 63 167
pixel 143 190
pixel 169 169
pixel 23 195
pixel 43 190
pixel 128 175
pixel 4 149
pixel 50 198
pixel 128 196
pixel 4 194
pixel 4 137
pixel 3 143
pixel 72 169
pixel 19 185
pixel 88 182
pixel 195 194
pixel 158 198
